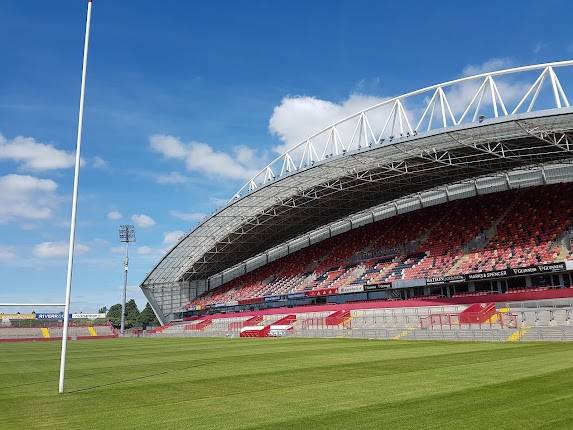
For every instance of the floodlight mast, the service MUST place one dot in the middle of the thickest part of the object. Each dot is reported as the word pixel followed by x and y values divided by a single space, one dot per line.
pixel 74 204
pixel 126 235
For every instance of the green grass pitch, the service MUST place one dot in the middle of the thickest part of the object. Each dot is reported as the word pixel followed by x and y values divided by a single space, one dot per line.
pixel 160 383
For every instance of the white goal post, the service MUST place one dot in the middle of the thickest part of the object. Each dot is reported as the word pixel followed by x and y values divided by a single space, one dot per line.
pixel 72 239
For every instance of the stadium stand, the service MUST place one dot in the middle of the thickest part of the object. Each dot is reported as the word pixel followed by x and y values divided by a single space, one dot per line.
pixel 511 229
pixel 528 235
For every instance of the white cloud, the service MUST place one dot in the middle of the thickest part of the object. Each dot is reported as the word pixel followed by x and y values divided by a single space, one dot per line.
pixel 150 251
pixel 7 254
pixel 298 117
pixel 24 197
pixel 201 157
pixel 170 238
pixel 99 163
pixel 244 154
pixel 539 46
pixel 114 215
pixel 57 249
pixel 168 146
pixel 101 242
pixel 218 202
pixel 142 220
pixel 33 155
pixel 490 65
pixel 145 250
pixel 510 89
pixel 188 216
pixel 171 178
pixel 117 249
pixel 29 226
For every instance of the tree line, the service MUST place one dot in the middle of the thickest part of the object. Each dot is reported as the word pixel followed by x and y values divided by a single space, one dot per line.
pixel 133 318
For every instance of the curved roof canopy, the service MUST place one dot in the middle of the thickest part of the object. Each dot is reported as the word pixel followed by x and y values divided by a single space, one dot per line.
pixel 409 144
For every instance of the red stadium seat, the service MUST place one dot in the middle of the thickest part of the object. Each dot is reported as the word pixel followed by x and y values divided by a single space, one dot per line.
pixel 485 233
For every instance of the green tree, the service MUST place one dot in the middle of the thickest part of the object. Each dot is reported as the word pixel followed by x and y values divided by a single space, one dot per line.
pixel 114 315
pixel 147 317
pixel 131 314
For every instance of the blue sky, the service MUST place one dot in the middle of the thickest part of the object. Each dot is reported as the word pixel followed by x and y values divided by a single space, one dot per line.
pixel 186 99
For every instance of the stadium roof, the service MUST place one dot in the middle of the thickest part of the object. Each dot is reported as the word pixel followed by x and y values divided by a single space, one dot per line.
pixel 377 156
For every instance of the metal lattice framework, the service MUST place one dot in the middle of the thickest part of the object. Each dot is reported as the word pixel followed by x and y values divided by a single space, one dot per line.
pixel 392 119
pixel 474 127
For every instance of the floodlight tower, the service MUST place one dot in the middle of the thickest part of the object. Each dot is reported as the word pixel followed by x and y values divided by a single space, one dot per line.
pixel 126 235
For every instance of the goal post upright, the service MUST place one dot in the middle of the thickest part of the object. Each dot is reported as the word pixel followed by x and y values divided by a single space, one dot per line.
pixel 74 204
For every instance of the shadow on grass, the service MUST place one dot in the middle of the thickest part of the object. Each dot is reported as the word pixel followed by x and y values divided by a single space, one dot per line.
pixel 137 378
pixel 55 379
pixel 73 378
